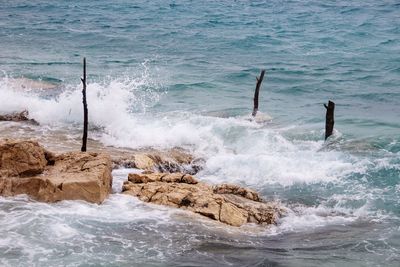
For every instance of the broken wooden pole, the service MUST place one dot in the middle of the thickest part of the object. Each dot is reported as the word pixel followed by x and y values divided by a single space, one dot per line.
pixel 329 122
pixel 85 109
pixel 257 91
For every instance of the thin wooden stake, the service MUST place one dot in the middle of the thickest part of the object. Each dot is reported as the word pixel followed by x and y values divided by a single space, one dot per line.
pixel 329 122
pixel 85 109
pixel 256 92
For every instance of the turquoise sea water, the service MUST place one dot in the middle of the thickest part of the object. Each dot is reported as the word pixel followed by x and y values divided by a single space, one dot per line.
pixel 182 73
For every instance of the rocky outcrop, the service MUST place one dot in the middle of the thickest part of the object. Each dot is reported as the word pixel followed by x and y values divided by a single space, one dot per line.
pixel 173 160
pixel 226 203
pixel 27 168
pixel 21 158
pixel 18 116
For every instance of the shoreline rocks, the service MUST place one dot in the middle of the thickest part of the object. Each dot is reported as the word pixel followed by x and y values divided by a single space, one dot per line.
pixel 18 117
pixel 229 204
pixel 27 168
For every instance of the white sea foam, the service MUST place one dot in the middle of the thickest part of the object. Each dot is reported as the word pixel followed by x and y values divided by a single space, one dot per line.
pixel 272 167
pixel 108 101
pixel 235 149
pixel 310 218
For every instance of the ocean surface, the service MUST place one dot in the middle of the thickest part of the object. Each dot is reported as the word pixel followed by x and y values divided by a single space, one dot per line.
pixel 169 74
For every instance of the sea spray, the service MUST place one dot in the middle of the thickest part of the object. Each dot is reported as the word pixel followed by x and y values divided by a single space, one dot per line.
pixel 109 100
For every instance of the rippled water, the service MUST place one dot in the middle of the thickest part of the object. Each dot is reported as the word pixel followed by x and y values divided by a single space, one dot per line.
pixel 182 73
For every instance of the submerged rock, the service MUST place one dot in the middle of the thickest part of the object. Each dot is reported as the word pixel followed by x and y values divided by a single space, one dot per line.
pixel 173 160
pixel 18 116
pixel 226 203
pixel 27 168
pixel 29 84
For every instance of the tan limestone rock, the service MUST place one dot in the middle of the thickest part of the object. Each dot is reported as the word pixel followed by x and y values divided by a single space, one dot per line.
pixel 258 212
pixel 143 162
pixel 230 214
pixel 21 158
pixel 237 190
pixel 229 204
pixel 80 176
pixel 161 177
pixel 26 168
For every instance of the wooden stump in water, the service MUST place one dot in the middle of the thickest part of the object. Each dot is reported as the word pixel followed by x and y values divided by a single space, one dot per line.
pixel 329 119
pixel 257 91
pixel 85 109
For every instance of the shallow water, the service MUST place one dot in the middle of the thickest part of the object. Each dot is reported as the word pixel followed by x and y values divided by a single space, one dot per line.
pixel 182 73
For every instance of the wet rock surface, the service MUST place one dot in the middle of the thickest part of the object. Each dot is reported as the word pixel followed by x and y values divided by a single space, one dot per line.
pixel 22 116
pixel 229 204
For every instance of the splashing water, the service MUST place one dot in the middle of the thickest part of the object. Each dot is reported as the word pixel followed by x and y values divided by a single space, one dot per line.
pixel 182 75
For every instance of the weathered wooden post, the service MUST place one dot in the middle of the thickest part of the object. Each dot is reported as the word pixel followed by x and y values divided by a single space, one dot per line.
pixel 85 109
pixel 329 122
pixel 257 91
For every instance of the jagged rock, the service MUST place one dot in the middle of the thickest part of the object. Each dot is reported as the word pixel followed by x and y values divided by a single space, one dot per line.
pixel 229 204
pixel 161 177
pixel 18 116
pixel 173 160
pixel 50 178
pixel 237 190
pixel 230 214
pixel 142 161
pixel 21 158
